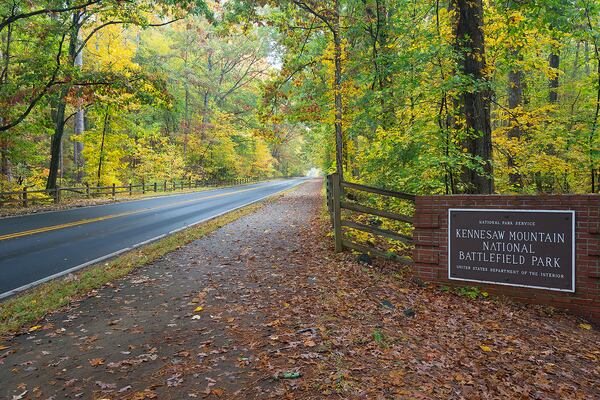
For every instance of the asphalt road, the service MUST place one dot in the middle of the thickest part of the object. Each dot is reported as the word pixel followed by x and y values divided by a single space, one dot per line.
pixel 38 247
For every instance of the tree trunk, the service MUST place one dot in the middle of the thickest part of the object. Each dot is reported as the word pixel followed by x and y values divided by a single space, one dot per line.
pixel 59 108
pixel 78 162
pixel 206 103
pixel 186 122
pixel 515 100
pixel 586 51
pixel 101 155
pixel 554 63
pixel 592 136
pixel 475 102
pixel 381 54
pixel 5 169
pixel 4 159
pixel 576 61
pixel 58 117
pixel 337 88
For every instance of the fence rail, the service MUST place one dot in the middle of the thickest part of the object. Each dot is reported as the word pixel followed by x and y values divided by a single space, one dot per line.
pixel 27 197
pixel 338 200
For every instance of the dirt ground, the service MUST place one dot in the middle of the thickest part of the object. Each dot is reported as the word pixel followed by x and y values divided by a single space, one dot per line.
pixel 262 308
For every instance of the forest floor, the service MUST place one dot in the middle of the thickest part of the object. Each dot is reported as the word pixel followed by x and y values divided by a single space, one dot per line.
pixel 263 308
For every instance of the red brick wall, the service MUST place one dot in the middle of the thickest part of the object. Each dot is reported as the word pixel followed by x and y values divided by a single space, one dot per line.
pixel 431 246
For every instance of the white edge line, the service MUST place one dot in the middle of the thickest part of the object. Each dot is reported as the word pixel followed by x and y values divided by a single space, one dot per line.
pixel 573 270
pixel 116 253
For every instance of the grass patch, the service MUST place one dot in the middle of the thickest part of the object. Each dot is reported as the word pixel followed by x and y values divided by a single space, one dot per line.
pixel 34 304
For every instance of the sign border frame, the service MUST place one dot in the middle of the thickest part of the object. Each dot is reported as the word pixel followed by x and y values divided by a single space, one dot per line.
pixel 573 242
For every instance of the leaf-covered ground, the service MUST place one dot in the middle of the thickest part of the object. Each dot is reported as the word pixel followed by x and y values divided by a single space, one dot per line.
pixel 263 308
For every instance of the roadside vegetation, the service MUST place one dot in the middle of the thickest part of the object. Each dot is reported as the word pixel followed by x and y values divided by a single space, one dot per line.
pixel 32 305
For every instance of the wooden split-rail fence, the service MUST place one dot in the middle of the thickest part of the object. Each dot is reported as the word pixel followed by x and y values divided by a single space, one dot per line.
pixel 338 199
pixel 27 197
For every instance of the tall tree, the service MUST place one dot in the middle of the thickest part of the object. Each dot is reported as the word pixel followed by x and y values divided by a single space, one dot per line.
pixel 79 120
pixel 329 14
pixel 475 98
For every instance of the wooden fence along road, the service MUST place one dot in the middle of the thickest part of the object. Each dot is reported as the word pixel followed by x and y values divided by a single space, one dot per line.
pixel 339 198
pixel 27 197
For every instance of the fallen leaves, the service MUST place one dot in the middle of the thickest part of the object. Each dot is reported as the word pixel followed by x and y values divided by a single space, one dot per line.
pixel 35 328
pixel 95 362
pixel 485 348
pixel 132 362
pixel 174 380
pixel 146 394
pixel 20 396
pixel 302 322
pixel 105 386
pixel 396 378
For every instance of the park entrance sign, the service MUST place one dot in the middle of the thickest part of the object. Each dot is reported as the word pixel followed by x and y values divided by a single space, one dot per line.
pixel 527 248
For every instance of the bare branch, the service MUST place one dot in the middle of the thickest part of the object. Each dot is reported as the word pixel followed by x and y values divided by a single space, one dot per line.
pixel 323 18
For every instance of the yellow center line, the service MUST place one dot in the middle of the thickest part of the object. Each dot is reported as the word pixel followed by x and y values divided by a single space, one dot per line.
pixel 112 216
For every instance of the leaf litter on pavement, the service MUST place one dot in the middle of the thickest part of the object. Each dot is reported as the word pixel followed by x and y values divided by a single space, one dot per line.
pixel 263 308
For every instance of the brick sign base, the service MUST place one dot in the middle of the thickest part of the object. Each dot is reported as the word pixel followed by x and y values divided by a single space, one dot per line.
pixel 431 246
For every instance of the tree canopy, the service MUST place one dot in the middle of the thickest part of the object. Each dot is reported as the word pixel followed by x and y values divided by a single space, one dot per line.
pixel 424 96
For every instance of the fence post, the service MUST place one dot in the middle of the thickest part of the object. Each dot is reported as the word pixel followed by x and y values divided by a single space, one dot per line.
pixel 337 212
pixel 143 187
pixel 329 198
pixel 87 190
pixel 114 192
pixel 130 189
pixel 155 187
pixel 24 196
pixel 57 195
pixel 165 186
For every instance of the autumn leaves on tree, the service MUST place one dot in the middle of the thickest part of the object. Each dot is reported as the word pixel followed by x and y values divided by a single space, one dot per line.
pixel 103 92
pixel 421 96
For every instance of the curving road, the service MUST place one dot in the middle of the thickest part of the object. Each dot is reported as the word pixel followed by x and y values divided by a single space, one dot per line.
pixel 39 247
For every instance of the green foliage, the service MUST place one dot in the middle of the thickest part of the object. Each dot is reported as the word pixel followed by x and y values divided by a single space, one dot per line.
pixel 471 292
pixel 170 91
pixel 244 88
pixel 379 338
pixel 401 90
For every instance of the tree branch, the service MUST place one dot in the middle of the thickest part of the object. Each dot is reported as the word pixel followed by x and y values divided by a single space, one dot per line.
pixel 104 25
pixel 51 82
pixel 15 17
pixel 307 8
